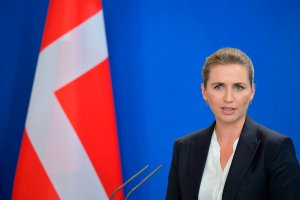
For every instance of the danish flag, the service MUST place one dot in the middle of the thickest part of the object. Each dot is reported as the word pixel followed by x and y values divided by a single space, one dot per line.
pixel 70 146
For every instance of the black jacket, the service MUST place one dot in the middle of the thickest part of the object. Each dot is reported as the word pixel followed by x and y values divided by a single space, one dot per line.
pixel 264 166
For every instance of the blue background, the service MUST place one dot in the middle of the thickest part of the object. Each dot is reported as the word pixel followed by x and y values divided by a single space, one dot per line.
pixel 157 49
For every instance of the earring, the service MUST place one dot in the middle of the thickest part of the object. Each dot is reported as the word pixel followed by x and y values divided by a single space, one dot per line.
pixel 206 102
pixel 250 102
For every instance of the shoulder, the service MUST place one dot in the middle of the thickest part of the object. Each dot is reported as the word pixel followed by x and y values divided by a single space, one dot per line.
pixel 271 141
pixel 196 137
pixel 276 143
pixel 263 133
pixel 270 136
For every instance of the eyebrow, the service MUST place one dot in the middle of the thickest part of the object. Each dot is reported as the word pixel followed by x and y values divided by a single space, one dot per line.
pixel 221 83
pixel 217 83
pixel 240 83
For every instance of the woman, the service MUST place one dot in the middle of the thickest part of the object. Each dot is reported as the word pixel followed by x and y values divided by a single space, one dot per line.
pixel 234 158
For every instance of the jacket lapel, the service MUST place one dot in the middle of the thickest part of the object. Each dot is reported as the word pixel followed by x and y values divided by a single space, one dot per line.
pixel 199 151
pixel 244 154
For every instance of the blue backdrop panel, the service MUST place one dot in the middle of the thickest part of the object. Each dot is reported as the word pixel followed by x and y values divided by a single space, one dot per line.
pixel 157 49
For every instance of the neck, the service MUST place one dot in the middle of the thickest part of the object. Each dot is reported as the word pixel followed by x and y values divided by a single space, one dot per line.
pixel 229 132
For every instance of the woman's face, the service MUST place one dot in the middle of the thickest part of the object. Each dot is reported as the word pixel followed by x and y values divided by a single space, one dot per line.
pixel 228 92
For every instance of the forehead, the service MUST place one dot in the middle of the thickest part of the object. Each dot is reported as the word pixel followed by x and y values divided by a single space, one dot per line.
pixel 228 73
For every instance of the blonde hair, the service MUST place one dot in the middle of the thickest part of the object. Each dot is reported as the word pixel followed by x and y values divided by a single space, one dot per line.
pixel 227 56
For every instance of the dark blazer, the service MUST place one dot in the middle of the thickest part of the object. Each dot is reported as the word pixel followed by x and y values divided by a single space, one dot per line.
pixel 264 166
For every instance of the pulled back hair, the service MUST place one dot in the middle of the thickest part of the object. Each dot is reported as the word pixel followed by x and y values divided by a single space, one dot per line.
pixel 227 56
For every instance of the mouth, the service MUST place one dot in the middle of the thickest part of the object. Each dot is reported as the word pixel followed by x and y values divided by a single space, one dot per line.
pixel 228 110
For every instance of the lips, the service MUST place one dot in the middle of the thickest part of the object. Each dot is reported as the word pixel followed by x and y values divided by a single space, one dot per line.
pixel 228 110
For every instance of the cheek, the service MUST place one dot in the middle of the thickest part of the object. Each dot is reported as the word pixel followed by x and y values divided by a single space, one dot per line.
pixel 214 99
pixel 245 99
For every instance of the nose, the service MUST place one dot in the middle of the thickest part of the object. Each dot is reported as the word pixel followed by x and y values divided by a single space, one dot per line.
pixel 228 96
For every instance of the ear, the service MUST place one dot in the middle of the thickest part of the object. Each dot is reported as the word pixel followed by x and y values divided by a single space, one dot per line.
pixel 203 89
pixel 253 88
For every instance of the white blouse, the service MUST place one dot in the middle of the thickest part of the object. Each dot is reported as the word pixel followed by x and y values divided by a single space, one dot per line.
pixel 214 178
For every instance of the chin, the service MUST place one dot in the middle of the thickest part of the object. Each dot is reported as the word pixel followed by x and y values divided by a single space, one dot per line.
pixel 230 119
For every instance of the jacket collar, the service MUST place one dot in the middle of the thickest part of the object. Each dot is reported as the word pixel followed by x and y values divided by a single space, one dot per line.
pixel 244 154
pixel 197 162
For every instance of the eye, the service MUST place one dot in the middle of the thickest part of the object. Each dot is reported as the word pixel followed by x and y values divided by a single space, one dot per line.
pixel 218 87
pixel 238 87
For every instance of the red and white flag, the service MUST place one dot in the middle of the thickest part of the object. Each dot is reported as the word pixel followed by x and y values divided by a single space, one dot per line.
pixel 70 145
